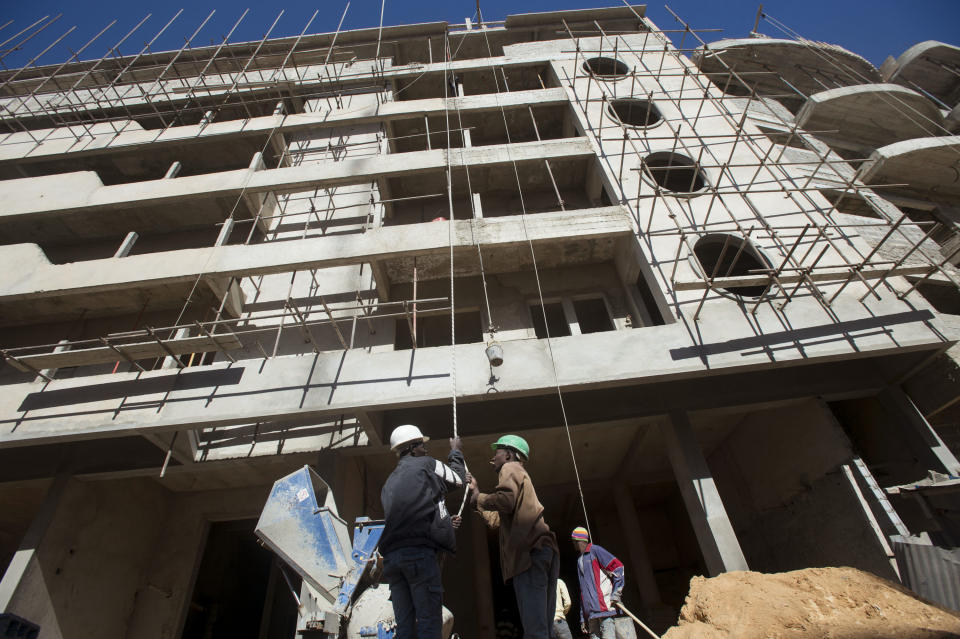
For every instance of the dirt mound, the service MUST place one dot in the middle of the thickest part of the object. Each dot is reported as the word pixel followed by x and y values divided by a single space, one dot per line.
pixel 835 603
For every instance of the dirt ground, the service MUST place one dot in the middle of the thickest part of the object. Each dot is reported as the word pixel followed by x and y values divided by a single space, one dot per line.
pixel 815 603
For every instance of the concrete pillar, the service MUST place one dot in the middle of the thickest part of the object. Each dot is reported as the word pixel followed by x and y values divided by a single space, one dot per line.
pixel 225 230
pixel 62 345
pixel 31 541
pixel 477 206
pixel 570 315
pixel 930 446
pixel 482 583
pixel 127 245
pixel 173 171
pixel 350 486
pixel 169 361
pixel 718 543
pixel 641 569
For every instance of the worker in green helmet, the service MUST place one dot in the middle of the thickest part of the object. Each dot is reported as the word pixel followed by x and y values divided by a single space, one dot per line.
pixel 528 549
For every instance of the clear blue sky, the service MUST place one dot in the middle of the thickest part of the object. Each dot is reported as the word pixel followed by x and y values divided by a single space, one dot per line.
pixel 871 28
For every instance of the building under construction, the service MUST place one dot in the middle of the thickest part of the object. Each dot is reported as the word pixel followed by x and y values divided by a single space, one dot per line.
pixel 720 278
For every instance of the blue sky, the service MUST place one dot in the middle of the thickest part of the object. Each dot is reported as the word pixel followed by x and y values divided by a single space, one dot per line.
pixel 873 29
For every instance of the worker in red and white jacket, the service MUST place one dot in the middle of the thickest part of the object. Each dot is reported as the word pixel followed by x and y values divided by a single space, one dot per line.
pixel 601 586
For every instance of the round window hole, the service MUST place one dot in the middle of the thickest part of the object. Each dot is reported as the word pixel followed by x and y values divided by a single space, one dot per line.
pixel 724 255
pixel 606 68
pixel 675 172
pixel 634 112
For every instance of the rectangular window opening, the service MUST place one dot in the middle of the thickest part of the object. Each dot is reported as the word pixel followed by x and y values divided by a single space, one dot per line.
pixel 434 330
pixel 649 303
pixel 592 315
pixel 556 320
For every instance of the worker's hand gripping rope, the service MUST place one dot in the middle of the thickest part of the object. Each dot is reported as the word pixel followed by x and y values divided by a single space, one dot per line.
pixel 456 445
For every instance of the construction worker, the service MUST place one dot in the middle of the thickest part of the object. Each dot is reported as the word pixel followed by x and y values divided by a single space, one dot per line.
pixel 561 630
pixel 601 586
pixel 528 549
pixel 417 528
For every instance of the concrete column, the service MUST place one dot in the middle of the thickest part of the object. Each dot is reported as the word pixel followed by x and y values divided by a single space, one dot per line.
pixel 350 486
pixel 61 346
pixel 929 444
pixel 224 236
pixel 718 543
pixel 170 361
pixel 173 171
pixel 482 583
pixel 31 541
pixel 127 245
pixel 641 569
pixel 570 315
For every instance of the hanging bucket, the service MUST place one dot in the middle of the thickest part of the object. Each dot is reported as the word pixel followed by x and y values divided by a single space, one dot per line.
pixel 495 353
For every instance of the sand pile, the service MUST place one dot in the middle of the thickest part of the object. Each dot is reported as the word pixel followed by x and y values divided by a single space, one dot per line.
pixel 815 603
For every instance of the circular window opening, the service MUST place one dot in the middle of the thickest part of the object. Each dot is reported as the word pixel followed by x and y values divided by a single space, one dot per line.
pixel 606 68
pixel 675 172
pixel 634 112
pixel 730 256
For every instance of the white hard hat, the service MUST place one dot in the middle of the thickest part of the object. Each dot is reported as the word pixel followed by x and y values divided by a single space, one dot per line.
pixel 404 435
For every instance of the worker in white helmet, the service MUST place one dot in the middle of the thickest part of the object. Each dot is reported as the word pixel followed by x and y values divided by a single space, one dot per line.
pixel 418 527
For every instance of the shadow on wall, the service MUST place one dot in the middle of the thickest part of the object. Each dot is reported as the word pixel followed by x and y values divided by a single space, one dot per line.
pixel 837 332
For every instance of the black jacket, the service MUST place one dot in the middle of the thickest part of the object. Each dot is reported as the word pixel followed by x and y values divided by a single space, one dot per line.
pixel 414 505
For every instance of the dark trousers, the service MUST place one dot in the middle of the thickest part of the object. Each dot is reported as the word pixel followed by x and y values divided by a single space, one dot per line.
pixel 416 591
pixel 536 590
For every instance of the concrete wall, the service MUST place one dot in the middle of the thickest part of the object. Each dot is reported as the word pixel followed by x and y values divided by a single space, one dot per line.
pixel 119 558
pixel 21 501
pixel 167 578
pixel 791 506
pixel 85 579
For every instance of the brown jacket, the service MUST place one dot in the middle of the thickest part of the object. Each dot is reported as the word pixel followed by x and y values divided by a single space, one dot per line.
pixel 513 507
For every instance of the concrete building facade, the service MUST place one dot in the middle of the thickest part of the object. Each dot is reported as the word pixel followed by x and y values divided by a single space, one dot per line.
pixel 723 285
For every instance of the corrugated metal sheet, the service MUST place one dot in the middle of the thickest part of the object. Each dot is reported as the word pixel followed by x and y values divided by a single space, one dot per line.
pixel 931 572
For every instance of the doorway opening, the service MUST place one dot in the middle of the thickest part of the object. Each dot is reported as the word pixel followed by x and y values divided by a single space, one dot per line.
pixel 239 590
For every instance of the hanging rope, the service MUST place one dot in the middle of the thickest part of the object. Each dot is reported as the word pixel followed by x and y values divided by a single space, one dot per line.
pixel 447 77
pixel 543 309
pixel 491 327
pixel 453 305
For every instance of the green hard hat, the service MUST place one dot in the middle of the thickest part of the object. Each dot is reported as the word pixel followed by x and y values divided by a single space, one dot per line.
pixel 514 442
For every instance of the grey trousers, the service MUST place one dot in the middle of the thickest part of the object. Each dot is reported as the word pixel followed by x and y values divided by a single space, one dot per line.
pixel 602 628
pixel 561 630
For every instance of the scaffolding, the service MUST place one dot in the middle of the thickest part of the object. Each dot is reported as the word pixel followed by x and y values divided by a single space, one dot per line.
pixel 820 261
pixel 812 257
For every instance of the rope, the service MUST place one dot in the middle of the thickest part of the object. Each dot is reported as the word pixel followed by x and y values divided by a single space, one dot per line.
pixel 543 309
pixel 483 275
pixel 453 304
